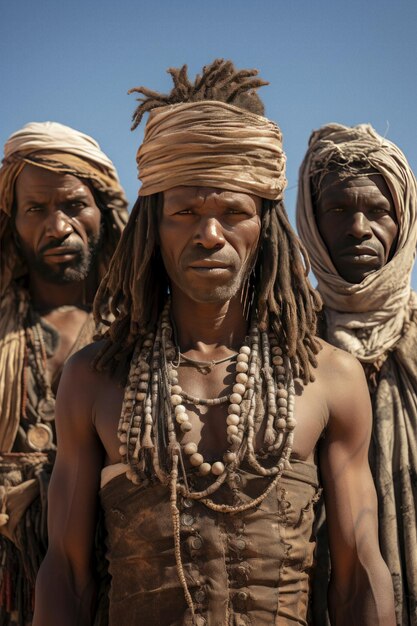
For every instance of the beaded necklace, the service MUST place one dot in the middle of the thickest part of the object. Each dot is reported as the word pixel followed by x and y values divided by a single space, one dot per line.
pixel 153 409
pixel 154 417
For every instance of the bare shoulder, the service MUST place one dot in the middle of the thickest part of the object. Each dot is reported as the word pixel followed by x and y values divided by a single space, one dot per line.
pixel 86 356
pixel 79 374
pixel 342 380
pixel 338 368
pixel 334 363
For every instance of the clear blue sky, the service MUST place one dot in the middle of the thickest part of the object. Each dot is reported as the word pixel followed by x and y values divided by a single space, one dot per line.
pixel 326 60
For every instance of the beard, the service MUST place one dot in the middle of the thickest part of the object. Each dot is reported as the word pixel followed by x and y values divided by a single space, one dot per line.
pixel 75 270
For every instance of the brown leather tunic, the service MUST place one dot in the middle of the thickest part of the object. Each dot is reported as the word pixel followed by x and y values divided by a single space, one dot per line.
pixel 248 568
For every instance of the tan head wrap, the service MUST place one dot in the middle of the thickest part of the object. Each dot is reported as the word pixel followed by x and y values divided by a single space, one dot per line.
pixel 211 144
pixel 366 319
pixel 56 147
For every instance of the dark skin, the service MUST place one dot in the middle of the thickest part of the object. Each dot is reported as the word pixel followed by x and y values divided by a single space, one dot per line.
pixel 208 240
pixel 57 222
pixel 357 222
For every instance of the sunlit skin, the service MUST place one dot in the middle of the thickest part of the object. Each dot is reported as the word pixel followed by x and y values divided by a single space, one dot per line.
pixel 208 239
pixel 357 221
pixel 57 224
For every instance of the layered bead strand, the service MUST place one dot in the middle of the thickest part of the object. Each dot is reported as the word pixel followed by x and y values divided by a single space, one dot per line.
pixel 134 404
pixel 154 410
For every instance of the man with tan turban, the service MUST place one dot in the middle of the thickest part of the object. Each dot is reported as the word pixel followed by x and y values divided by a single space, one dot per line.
pixel 357 217
pixel 62 211
pixel 186 413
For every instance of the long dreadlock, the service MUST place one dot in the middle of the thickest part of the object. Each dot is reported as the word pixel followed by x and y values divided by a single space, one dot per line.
pixel 137 283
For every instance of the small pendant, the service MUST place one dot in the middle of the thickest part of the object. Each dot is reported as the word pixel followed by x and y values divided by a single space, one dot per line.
pixel 40 437
pixel 46 409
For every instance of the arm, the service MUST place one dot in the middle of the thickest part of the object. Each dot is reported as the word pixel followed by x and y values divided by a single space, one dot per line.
pixel 360 590
pixel 65 589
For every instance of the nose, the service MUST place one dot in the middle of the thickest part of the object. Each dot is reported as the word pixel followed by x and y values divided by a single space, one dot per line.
pixel 210 233
pixel 359 226
pixel 58 225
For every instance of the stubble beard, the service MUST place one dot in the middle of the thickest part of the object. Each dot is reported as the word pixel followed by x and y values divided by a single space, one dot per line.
pixel 71 272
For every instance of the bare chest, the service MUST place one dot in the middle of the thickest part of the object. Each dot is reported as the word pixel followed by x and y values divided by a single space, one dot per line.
pixel 209 423
pixel 67 326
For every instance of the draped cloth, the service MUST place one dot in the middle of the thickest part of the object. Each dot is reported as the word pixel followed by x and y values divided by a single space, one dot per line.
pixel 366 318
pixel 24 474
pixel 376 321
pixel 211 144
pixel 247 568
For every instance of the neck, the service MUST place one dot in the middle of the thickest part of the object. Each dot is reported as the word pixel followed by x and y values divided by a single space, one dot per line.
pixel 48 296
pixel 210 329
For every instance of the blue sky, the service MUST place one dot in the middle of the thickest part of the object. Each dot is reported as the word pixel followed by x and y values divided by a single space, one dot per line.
pixel 327 61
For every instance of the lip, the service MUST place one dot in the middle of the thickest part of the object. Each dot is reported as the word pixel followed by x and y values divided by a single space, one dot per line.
pixel 60 254
pixel 209 264
pixel 359 251
pixel 60 250
pixel 209 269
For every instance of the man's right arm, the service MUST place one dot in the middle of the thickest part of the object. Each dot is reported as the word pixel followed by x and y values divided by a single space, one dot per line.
pixel 65 588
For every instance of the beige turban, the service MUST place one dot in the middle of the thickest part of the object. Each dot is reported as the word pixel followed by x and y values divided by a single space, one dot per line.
pixel 366 319
pixel 56 147
pixel 211 144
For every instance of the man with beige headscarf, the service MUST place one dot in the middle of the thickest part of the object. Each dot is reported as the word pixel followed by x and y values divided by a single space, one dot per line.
pixel 185 417
pixel 62 211
pixel 357 217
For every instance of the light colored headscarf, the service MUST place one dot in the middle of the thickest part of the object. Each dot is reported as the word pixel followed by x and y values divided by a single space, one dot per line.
pixel 367 319
pixel 211 144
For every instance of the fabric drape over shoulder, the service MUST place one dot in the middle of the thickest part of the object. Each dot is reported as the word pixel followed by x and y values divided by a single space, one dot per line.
pixel 366 318
pixel 376 320
pixel 24 474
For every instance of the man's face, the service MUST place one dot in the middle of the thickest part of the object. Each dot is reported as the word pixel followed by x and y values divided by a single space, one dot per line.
pixel 357 222
pixel 208 240
pixel 57 224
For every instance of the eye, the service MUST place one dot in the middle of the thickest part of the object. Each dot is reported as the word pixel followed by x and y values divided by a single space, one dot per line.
pixel 77 205
pixel 335 209
pixel 380 210
pixel 34 209
pixel 184 212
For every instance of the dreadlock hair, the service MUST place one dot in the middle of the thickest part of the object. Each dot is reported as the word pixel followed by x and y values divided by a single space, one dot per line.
pixel 137 284
pixel 219 81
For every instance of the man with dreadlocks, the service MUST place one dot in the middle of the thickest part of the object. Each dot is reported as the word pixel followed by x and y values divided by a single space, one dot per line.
pixel 186 423
pixel 357 216
pixel 62 212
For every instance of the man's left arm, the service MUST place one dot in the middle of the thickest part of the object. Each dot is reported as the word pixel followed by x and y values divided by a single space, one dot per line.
pixel 360 590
